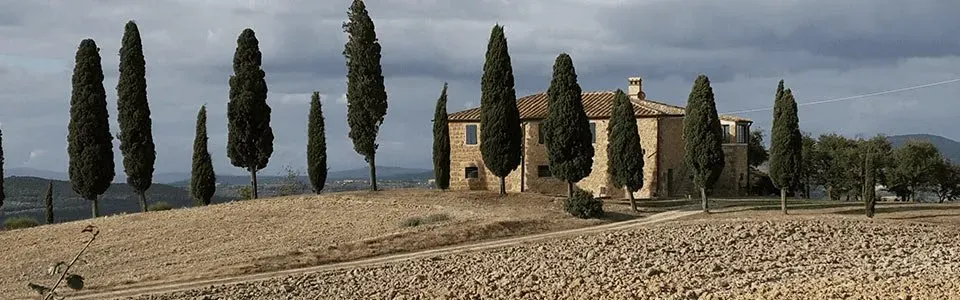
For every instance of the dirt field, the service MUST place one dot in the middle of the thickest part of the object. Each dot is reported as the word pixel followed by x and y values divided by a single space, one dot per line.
pixel 907 252
pixel 269 234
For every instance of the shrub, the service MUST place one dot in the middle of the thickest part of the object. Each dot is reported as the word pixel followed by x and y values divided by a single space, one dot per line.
pixel 583 205
pixel 20 222
pixel 417 221
pixel 160 206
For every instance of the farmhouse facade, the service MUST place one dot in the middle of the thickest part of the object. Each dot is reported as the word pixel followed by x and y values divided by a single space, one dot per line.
pixel 661 129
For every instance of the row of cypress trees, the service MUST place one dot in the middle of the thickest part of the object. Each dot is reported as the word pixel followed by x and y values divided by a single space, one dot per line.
pixel 250 137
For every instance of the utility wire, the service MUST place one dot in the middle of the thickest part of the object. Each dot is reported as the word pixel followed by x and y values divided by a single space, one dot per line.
pixel 852 97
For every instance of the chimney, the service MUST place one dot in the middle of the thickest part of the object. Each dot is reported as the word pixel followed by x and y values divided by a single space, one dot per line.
pixel 635 89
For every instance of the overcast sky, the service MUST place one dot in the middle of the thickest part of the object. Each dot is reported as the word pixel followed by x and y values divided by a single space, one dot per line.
pixel 823 49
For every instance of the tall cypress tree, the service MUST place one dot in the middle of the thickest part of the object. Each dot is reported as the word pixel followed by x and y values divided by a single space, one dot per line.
pixel 500 132
pixel 89 141
pixel 48 202
pixel 203 180
pixel 703 138
pixel 3 194
pixel 786 145
pixel 366 94
pixel 624 150
pixel 136 139
pixel 316 145
pixel 250 138
pixel 441 142
pixel 567 128
pixel 869 185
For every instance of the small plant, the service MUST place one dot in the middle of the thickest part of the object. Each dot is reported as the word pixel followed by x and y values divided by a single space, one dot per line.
pixel 291 183
pixel 417 221
pixel 245 192
pixel 583 205
pixel 160 206
pixel 74 281
pixel 20 222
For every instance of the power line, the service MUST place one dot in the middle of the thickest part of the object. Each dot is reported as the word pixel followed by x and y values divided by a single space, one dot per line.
pixel 852 97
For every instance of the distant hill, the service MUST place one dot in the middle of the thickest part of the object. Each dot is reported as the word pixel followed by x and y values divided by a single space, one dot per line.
pixel 25 197
pixel 383 173
pixel 949 148
pixel 31 172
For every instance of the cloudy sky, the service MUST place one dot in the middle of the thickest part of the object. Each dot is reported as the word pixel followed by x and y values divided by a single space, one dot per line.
pixel 824 49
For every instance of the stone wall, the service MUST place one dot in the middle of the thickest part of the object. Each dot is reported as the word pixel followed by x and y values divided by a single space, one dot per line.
pixel 672 150
pixel 463 156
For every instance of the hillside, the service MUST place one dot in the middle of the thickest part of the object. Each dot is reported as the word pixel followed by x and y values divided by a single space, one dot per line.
pixel 25 197
pixel 949 148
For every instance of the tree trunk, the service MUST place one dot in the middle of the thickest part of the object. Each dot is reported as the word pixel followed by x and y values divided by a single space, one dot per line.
pixel 569 188
pixel 783 200
pixel 96 207
pixel 703 199
pixel 373 172
pixel 253 182
pixel 503 186
pixel 633 202
pixel 143 202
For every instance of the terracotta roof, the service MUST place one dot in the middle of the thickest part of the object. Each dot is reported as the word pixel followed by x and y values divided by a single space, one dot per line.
pixel 597 105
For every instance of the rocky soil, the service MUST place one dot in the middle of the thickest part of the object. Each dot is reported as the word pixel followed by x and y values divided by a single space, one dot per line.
pixel 739 256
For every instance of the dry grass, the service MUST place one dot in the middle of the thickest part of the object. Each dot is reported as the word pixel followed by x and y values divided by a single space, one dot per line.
pixel 278 233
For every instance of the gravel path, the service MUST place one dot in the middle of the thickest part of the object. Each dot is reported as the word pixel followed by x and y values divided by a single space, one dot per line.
pixel 817 257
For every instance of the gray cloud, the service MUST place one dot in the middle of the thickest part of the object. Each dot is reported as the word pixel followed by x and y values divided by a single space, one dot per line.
pixel 823 49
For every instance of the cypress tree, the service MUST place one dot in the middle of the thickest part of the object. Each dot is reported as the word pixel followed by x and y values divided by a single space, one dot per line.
pixel 786 145
pixel 441 142
pixel 366 94
pixel 203 180
pixel 3 194
pixel 500 132
pixel 703 137
pixel 48 201
pixel 250 138
pixel 869 184
pixel 316 145
pixel 136 139
pixel 624 150
pixel 567 129
pixel 89 141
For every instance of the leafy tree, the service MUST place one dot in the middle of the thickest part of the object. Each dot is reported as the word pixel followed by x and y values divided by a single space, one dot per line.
pixel 366 94
pixel 567 129
pixel 786 147
pixel 916 164
pixel 136 139
pixel 441 142
pixel 624 150
pixel 837 157
pixel 250 138
pixel 89 142
pixel 316 145
pixel 500 132
pixel 946 181
pixel 203 180
pixel 702 137
pixel 810 155
pixel 48 202
pixel 879 148
pixel 756 152
pixel 869 182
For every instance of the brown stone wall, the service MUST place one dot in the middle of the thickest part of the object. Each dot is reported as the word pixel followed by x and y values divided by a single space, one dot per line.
pixel 535 154
pixel 463 156
pixel 648 128
pixel 672 151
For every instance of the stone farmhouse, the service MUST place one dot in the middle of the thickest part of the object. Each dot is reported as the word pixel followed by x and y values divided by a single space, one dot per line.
pixel 661 129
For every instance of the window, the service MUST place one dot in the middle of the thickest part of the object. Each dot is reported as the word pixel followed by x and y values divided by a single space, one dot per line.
pixel 540 132
pixel 471 172
pixel 544 171
pixel 472 134
pixel 743 133
pixel 593 132
pixel 726 133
